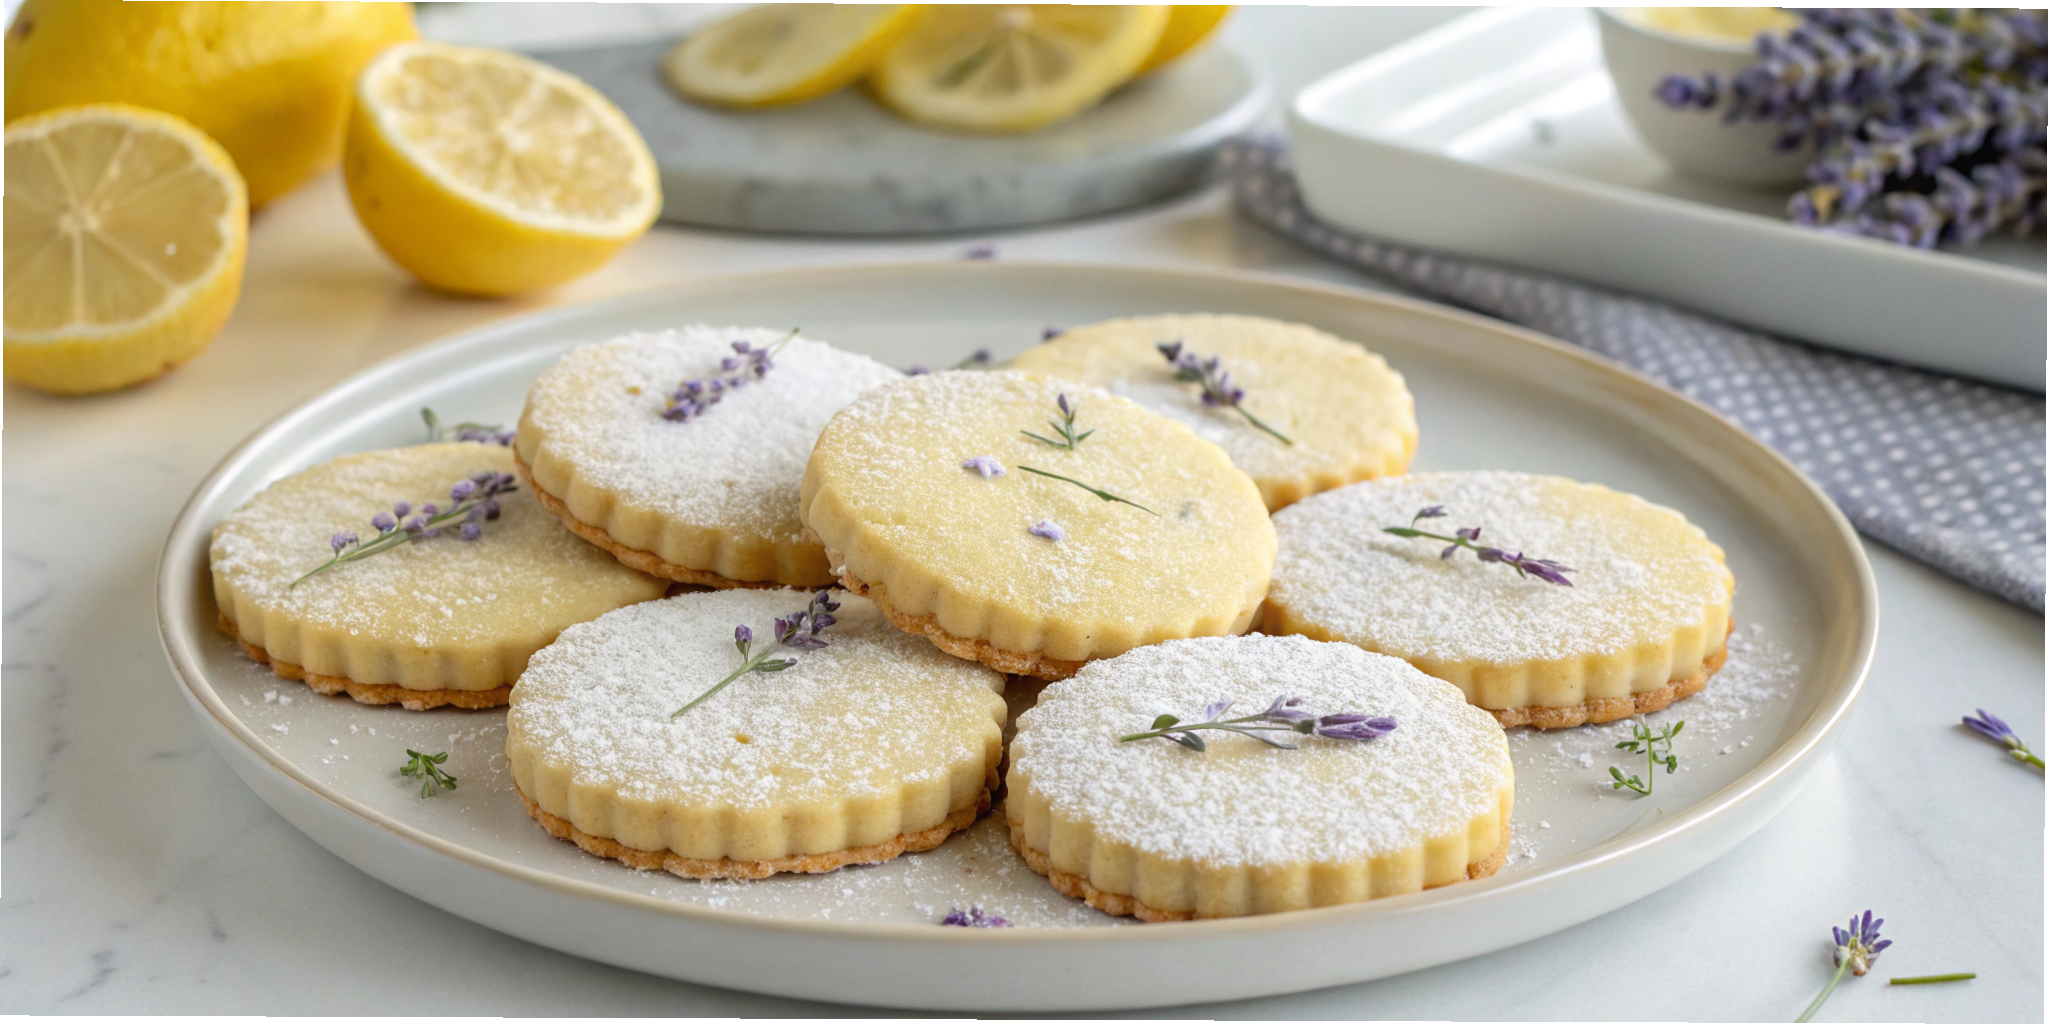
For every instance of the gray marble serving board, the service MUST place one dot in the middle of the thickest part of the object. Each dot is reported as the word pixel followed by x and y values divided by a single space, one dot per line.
pixel 844 165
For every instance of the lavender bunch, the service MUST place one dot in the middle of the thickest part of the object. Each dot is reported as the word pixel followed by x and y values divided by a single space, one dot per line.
pixel 1064 426
pixel 480 433
pixel 1993 728
pixel 1856 948
pixel 798 632
pixel 1542 568
pixel 474 502
pixel 1218 391
pixel 747 364
pixel 1281 716
pixel 972 917
pixel 1927 125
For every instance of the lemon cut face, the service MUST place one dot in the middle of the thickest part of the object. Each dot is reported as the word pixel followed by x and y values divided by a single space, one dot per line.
pixel 785 53
pixel 124 235
pixel 1015 67
pixel 486 172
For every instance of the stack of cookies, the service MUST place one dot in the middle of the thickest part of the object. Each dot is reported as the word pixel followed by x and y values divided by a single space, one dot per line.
pixel 761 599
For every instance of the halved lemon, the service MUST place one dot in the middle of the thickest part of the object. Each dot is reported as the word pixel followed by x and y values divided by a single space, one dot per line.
pixel 785 53
pixel 124 235
pixel 1186 26
pixel 488 173
pixel 1014 67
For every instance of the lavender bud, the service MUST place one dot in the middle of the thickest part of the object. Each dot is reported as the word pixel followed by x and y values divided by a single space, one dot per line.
pixel 742 635
pixel 1051 333
pixel 341 540
pixel 476 514
pixel 383 522
pixel 462 490
pixel 490 509
pixel 1216 709
pixel 1065 409
pixel 918 370
pixel 1049 530
pixel 1469 533
pixel 402 509
pixel 471 531
pixel 1432 512
pixel 430 509
pixel 986 465
pixel 1448 552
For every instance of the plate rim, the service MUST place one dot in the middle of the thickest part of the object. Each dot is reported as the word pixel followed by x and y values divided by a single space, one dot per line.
pixel 1811 737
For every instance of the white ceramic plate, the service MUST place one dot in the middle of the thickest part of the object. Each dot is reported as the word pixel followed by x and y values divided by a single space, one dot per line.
pixel 1487 394
pixel 1499 135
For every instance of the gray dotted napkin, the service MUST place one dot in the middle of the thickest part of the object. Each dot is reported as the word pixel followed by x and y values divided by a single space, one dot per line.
pixel 1947 471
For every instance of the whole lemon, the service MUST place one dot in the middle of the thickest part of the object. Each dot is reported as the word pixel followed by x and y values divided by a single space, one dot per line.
pixel 269 81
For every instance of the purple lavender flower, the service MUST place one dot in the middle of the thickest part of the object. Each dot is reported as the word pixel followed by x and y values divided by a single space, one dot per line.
pixel 1468 537
pixel 983 251
pixel 798 632
pixel 748 363
pixel 972 917
pixel 986 465
pixel 1282 715
pixel 1856 948
pixel 1218 391
pixel 1993 728
pixel 1064 426
pixel 474 502
pixel 1051 333
pixel 1049 530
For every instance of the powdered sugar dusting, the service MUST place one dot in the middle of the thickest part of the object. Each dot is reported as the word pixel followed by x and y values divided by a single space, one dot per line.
pixel 736 467
pixel 875 710
pixel 1242 802
pixel 1641 572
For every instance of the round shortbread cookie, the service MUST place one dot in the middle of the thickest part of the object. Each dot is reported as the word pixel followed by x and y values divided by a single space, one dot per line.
pixel 1151 828
pixel 433 622
pixel 710 500
pixel 1348 415
pixel 871 746
pixel 1644 622
pixel 1025 572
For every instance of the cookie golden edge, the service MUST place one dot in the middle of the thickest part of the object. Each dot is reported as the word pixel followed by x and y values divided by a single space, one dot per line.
pixel 725 867
pixel 1079 887
pixel 654 544
pixel 369 693
pixel 1035 664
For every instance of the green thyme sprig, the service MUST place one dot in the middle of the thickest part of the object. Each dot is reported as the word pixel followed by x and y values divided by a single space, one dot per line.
pixel 1097 491
pixel 1647 742
pixel 1064 427
pixel 427 769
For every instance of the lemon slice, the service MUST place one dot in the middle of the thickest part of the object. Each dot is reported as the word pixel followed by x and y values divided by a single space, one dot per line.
pixel 1186 27
pixel 785 53
pixel 1014 67
pixel 125 230
pixel 488 173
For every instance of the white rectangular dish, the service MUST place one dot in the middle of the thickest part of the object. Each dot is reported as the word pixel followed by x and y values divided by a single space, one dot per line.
pixel 1487 394
pixel 1499 136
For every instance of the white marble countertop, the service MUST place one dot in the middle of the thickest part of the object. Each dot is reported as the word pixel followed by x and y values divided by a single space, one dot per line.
pixel 141 876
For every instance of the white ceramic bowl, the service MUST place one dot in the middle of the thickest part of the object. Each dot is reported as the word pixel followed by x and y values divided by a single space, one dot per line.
pixel 1693 141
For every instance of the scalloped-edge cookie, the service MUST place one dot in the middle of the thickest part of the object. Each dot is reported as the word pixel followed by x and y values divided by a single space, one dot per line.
pixel 1343 413
pixel 430 623
pixel 1644 622
pixel 1152 828
pixel 709 498
pixel 929 497
pixel 869 747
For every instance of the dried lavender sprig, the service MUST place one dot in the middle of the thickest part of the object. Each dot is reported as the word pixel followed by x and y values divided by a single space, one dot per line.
pixel 798 632
pixel 1647 742
pixel 1064 426
pixel 1097 491
pixel 747 364
pixel 972 917
pixel 481 433
pixel 1993 728
pixel 978 359
pixel 1282 715
pixel 1217 389
pixel 475 503
pixel 427 769
pixel 1542 568
pixel 1856 948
